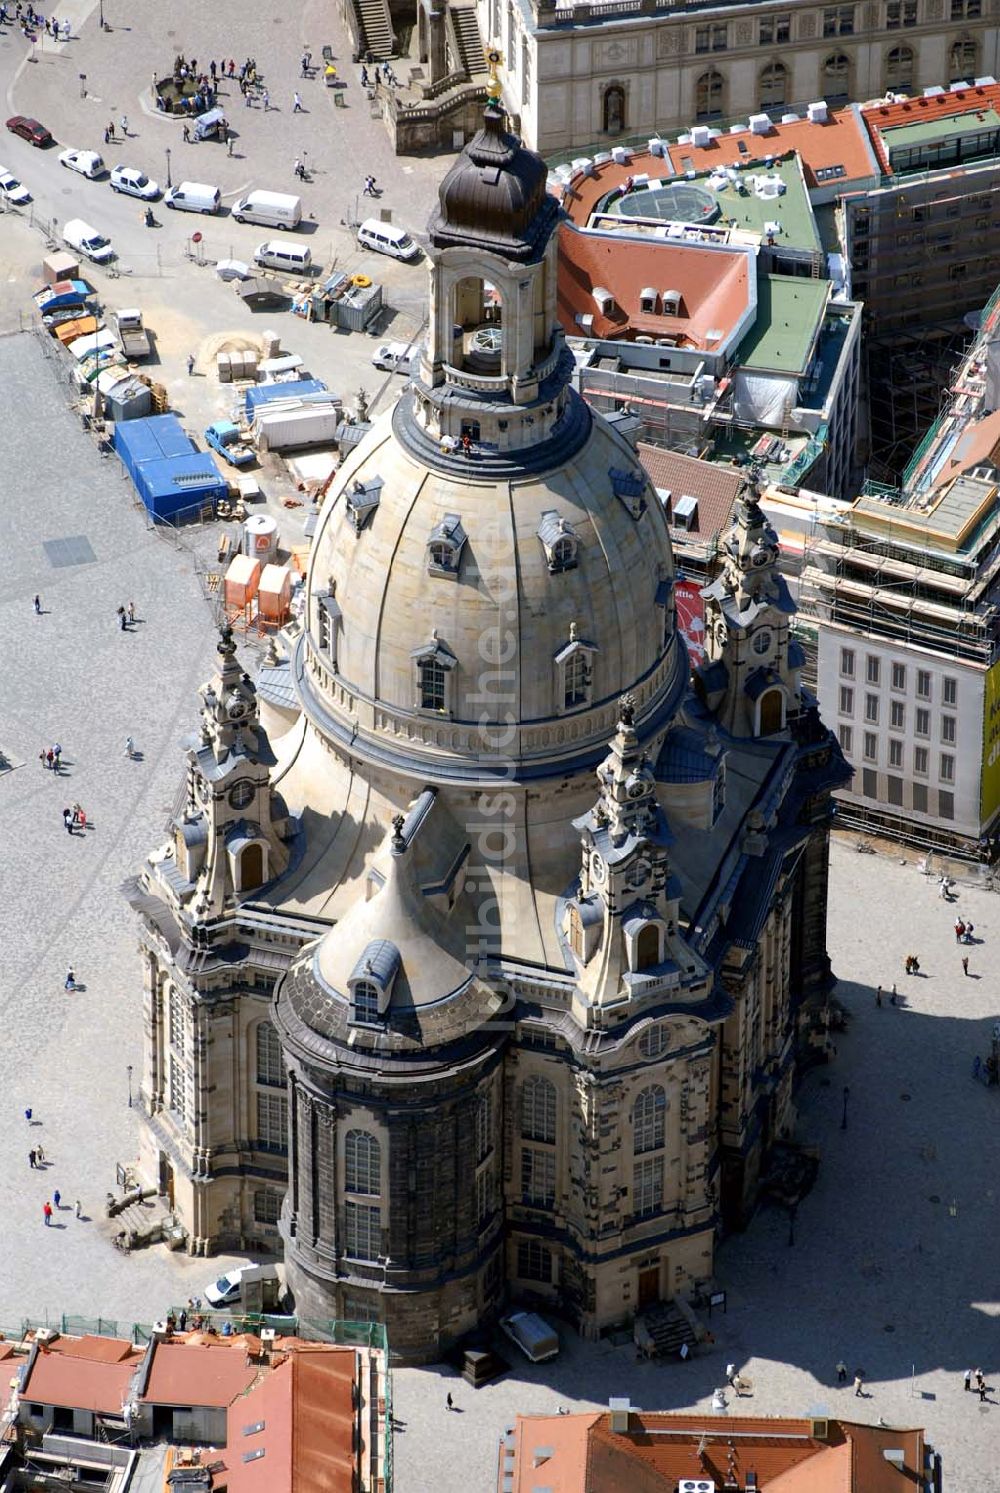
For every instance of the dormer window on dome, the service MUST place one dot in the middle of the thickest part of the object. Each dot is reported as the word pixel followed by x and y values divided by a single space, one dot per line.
pixel 558 540
pixel 362 498
pixel 371 981
pixel 574 673
pixel 444 547
pixel 630 487
pixel 435 664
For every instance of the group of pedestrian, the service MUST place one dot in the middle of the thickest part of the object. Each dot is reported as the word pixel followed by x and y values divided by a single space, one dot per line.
pixel 912 964
pixel 70 981
pixel 126 616
pixel 36 1160
pixel 371 190
pixel 74 819
pixel 964 931
pixel 980 1381
pixel 51 757
pixel 893 995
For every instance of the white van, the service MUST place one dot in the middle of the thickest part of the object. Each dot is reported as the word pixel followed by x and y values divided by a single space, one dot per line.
pixel 87 241
pixel 193 197
pixel 283 254
pixel 386 238
pixel 270 209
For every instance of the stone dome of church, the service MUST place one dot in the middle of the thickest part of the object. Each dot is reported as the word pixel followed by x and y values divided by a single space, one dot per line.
pixel 494 197
pixel 530 597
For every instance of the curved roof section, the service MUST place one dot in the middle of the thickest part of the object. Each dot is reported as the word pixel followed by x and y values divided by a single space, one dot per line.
pixel 494 197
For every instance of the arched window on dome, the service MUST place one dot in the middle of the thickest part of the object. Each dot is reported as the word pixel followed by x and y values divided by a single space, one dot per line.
pixel 434 664
pixel 328 619
pixel 444 547
pixel 559 541
pixel 574 673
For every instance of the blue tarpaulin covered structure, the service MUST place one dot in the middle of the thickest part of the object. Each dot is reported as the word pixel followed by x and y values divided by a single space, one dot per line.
pixel 172 477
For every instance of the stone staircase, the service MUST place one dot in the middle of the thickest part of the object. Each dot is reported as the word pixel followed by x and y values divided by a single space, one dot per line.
pixel 668 1328
pixel 468 43
pixel 374 27
pixel 144 1221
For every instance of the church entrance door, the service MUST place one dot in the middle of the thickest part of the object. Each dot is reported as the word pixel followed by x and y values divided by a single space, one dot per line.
pixel 649 1287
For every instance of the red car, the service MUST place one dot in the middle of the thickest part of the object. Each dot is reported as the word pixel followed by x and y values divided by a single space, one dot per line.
pixel 29 129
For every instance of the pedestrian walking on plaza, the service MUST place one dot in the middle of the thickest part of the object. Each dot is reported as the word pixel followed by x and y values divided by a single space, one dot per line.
pixel 57 755
pixel 969 931
pixel 265 99
pixel 982 1392
pixel 70 981
pixel 124 125
pixel 40 1153
pixel 892 997
pixel 190 364
pixel 980 1381
pixel 43 757
pixel 364 77
pixel 296 104
pixel 47 1213
pixel 730 1372
pixel 50 758
pixel 185 134
pixel 56 1198
pixel 959 930
pixel 968 1380
pixel 79 1208
pixel 33 1162
pixel 878 996
pixel 182 1320
pixel 38 606
pixel 213 70
pixel 841 1371
pixel 129 747
pixel 68 821
pixel 449 1403
pixel 131 611
pixel 859 1383
pixel 965 964
pixel 109 133
pixel 232 66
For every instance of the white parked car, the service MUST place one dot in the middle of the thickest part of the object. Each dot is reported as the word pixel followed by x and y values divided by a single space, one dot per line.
pixel 135 183
pixel 12 188
pixel 394 357
pixel 87 162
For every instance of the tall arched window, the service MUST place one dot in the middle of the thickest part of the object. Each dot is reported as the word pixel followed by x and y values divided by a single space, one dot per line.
pixel 835 83
pixel 362 1164
pixel 899 69
pixel 771 712
pixel 614 109
pixel 251 866
pixel 538 1109
pixel 270 1067
pixel 365 1001
pixel 649 1120
pixel 709 92
pixel 963 60
pixel 362 1187
pixel 773 85
pixel 576 680
pixel 647 947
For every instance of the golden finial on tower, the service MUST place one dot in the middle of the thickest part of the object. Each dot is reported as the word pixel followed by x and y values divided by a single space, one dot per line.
pixel 494 88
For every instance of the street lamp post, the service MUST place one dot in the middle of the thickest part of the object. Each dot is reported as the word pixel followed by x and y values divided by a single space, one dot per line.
pixel 169 182
pixel 129 1072
pixel 843 1118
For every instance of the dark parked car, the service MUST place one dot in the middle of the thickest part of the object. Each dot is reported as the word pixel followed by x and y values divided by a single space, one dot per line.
pixel 29 129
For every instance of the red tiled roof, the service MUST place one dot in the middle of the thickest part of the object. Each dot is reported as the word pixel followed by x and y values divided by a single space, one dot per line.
pixel 88 1373
pixel 714 285
pixel 715 485
pixel 840 141
pixel 976 446
pixel 581 1454
pixel 881 117
pixel 203 1374
pixel 307 1408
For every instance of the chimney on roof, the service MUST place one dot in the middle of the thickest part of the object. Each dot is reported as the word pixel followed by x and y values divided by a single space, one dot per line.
pixel 620 1410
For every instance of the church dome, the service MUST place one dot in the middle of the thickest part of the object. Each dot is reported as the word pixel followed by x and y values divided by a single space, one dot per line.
pixel 529 598
pixel 494 197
